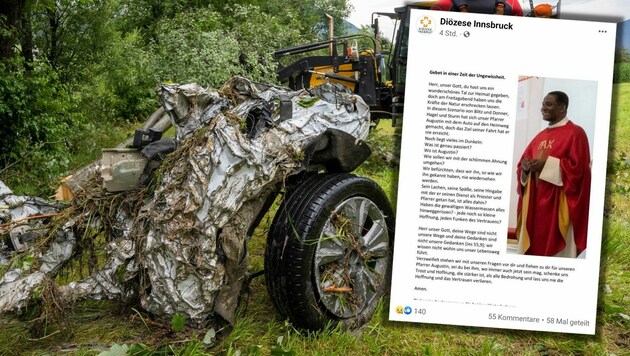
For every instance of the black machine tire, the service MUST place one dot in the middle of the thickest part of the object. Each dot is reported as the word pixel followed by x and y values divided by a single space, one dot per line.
pixel 329 250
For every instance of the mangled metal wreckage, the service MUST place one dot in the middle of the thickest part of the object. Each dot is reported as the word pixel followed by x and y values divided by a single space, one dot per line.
pixel 180 243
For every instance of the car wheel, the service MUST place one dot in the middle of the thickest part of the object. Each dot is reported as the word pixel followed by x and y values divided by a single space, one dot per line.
pixel 329 250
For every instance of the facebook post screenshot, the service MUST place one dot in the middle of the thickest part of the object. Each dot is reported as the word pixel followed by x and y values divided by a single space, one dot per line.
pixel 502 172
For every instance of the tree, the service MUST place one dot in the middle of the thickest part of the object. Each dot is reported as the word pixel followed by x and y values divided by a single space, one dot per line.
pixel 70 64
pixel 622 55
pixel 10 17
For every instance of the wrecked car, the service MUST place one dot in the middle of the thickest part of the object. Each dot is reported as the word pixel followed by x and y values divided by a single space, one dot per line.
pixel 174 215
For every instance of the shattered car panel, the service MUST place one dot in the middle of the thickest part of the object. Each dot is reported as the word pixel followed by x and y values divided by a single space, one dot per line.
pixel 186 241
pixel 18 217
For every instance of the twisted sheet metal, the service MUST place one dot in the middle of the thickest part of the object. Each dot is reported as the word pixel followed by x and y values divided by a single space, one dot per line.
pixel 188 241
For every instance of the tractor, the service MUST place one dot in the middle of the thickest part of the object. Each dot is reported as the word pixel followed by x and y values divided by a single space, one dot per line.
pixel 329 250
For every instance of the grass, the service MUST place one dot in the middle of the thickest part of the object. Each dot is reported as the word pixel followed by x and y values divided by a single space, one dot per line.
pixel 384 141
pixel 94 326
pixel 621 72
pixel 618 202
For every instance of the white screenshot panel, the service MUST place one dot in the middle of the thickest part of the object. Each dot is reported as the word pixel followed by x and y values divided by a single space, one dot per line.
pixel 499 218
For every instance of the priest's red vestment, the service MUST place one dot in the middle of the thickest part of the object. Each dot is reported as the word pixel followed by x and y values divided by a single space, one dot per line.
pixel 547 209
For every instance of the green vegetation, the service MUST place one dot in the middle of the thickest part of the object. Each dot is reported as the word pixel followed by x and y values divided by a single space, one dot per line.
pixel 89 78
pixel 621 72
pixel 75 76
pixel 95 326
pixel 382 166
pixel 618 204
pixel 178 322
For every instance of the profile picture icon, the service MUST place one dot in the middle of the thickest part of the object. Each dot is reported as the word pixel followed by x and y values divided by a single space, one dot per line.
pixel 425 24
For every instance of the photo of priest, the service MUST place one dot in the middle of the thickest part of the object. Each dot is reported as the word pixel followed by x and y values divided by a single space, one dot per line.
pixel 553 185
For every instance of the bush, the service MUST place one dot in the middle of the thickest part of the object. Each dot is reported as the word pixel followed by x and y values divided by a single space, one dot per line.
pixel 621 73
pixel 192 48
pixel 37 118
pixel 46 130
pixel 122 87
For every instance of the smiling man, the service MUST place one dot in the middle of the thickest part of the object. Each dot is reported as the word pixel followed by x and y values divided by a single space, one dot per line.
pixel 554 188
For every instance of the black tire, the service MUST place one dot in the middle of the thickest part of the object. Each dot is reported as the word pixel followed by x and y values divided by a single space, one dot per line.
pixel 329 250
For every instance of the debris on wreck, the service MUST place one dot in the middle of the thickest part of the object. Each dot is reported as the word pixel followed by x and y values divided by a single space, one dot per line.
pixel 178 241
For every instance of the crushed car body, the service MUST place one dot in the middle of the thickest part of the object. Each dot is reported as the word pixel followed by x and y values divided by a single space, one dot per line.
pixel 178 240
